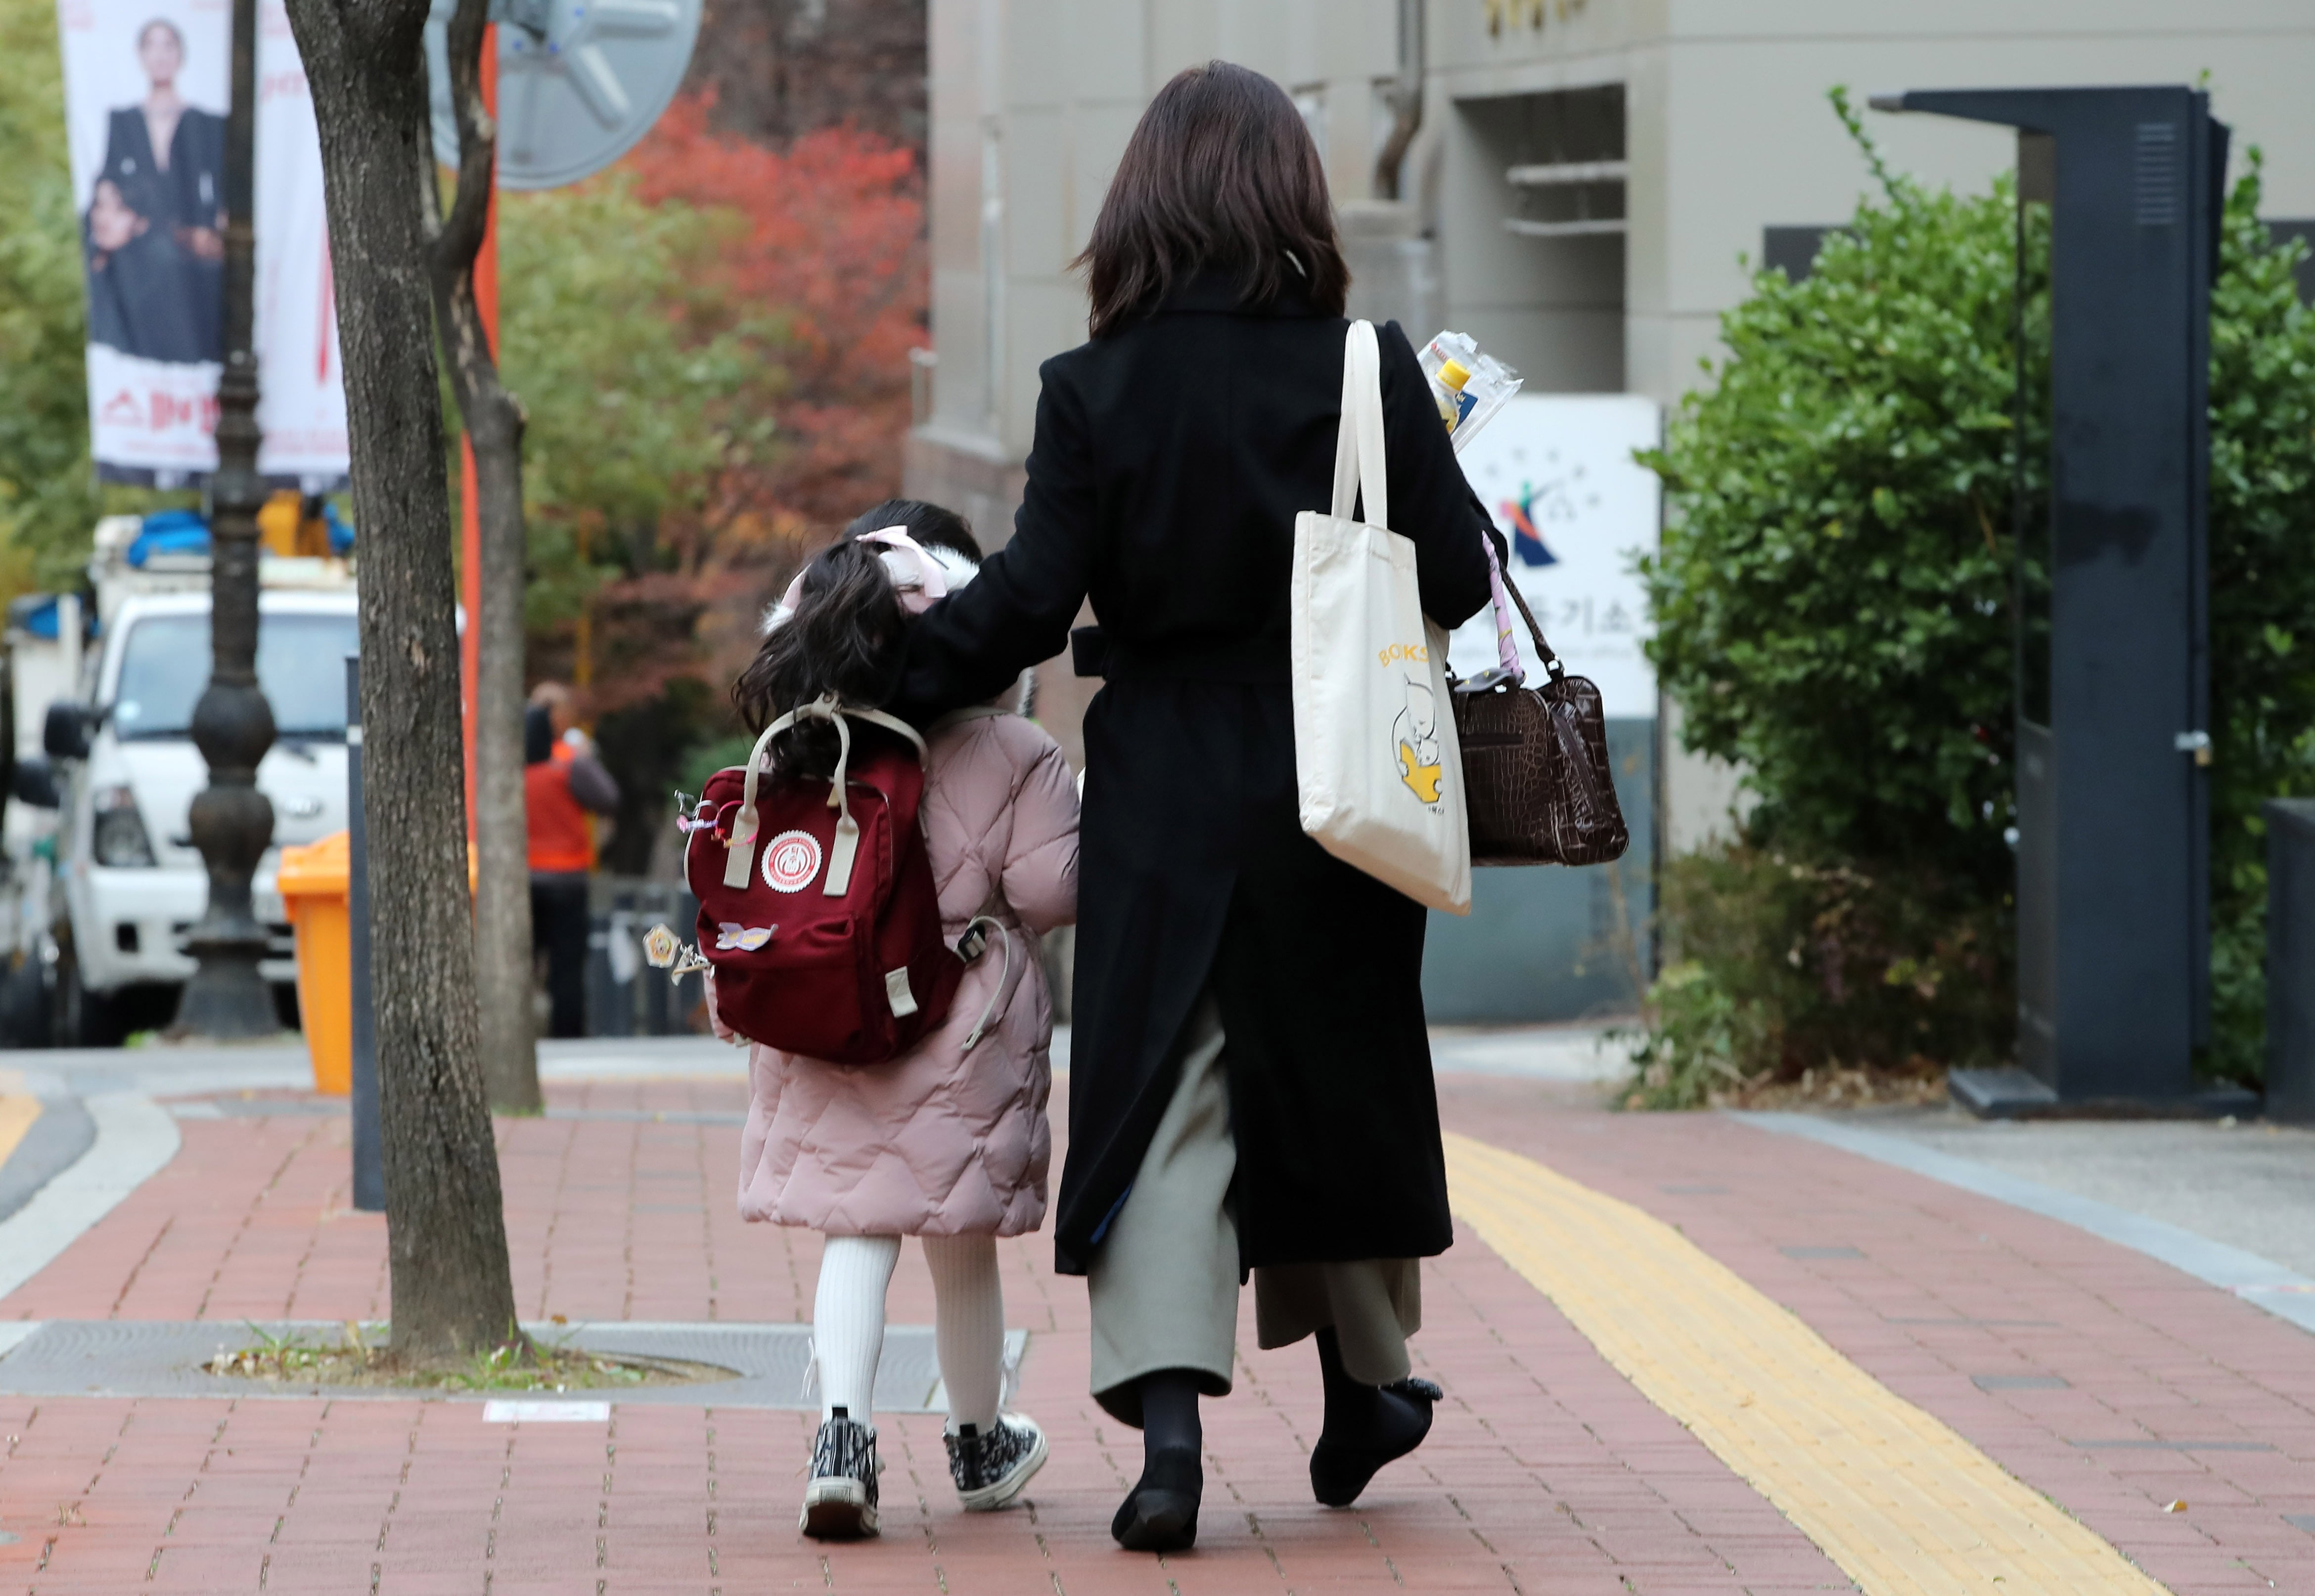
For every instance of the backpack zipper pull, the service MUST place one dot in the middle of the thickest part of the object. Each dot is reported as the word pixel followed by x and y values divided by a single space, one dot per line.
pixel 743 845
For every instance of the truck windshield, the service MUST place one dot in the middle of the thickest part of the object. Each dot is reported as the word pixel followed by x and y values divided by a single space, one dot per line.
pixel 164 664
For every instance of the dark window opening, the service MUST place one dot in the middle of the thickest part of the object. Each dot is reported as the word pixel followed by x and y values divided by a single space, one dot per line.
pixel 1567 165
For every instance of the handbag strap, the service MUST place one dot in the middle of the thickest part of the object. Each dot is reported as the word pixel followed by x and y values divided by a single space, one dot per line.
pixel 1550 660
pixel 1506 651
pixel 1360 471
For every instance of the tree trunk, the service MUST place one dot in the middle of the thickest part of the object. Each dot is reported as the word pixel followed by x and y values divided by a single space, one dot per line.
pixel 452 1294
pixel 495 425
pixel 503 932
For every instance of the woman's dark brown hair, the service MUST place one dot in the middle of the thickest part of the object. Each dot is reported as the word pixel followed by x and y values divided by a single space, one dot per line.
pixel 1220 175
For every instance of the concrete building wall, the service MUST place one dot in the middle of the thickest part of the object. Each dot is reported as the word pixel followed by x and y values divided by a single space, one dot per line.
pixel 1729 130
pixel 1726 130
pixel 1032 102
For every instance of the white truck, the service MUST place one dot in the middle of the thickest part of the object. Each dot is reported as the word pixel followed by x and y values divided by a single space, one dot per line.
pixel 105 881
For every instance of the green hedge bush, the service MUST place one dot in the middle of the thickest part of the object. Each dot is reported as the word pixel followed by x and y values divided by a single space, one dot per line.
pixel 1833 600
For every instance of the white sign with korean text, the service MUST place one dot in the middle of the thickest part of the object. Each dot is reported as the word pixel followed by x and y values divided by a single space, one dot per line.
pixel 1555 471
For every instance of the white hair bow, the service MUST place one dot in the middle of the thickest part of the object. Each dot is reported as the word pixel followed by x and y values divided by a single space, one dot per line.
pixel 921 574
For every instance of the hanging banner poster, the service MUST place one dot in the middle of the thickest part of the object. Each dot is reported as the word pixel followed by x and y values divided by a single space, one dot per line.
pixel 1555 471
pixel 146 83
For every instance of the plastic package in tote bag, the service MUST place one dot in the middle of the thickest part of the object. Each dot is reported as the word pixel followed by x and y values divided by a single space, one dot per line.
pixel 1375 752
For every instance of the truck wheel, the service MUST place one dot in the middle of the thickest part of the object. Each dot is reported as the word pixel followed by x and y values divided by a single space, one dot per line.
pixel 23 1006
pixel 83 1018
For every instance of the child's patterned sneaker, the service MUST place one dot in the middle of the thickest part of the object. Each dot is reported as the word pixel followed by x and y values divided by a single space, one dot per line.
pixel 989 1471
pixel 840 1502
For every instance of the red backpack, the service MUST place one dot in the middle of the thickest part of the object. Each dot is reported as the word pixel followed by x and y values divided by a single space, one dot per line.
pixel 817 909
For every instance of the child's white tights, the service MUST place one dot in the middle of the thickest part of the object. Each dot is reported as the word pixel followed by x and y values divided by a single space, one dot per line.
pixel 847 1322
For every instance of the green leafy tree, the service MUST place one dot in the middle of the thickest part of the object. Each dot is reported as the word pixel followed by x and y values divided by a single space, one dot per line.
pixel 646 391
pixel 1832 593
pixel 47 500
pixel 1834 599
pixel 608 339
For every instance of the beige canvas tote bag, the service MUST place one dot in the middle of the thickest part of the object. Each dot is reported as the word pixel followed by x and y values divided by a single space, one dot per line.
pixel 1376 759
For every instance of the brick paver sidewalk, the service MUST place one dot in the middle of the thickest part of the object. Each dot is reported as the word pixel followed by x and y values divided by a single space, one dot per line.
pixel 1547 1473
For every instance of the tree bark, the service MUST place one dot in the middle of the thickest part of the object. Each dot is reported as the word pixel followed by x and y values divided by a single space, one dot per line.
pixel 494 422
pixel 452 1293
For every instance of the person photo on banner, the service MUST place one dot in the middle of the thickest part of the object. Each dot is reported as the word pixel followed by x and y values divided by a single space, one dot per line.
pixel 153 231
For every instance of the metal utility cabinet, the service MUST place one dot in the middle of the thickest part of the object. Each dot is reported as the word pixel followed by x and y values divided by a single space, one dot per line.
pixel 2291 959
pixel 2112 750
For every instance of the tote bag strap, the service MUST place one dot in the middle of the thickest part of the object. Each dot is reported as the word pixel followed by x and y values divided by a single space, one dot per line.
pixel 1360 471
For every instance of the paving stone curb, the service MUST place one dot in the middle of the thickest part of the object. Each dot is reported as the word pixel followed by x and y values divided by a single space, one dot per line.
pixel 2283 1292
pixel 134 1139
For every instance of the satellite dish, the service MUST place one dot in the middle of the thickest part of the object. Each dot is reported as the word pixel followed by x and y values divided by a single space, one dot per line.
pixel 580 82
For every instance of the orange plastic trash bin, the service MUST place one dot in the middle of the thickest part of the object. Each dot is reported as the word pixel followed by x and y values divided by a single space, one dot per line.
pixel 313 880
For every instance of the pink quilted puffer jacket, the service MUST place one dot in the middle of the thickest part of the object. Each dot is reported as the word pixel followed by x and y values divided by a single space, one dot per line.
pixel 939 1143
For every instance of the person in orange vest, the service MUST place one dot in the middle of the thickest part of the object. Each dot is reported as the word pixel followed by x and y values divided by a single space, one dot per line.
pixel 564 785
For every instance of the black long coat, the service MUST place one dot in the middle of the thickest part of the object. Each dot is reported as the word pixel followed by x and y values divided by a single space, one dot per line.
pixel 154 297
pixel 1170 460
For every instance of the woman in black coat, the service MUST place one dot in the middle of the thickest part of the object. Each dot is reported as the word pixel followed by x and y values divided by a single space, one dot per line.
pixel 1251 1080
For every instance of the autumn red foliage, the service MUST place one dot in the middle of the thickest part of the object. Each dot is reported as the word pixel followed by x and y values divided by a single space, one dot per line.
pixel 832 256
pixel 822 270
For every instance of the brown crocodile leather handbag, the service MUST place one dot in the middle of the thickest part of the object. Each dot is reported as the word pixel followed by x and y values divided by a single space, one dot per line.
pixel 1536 783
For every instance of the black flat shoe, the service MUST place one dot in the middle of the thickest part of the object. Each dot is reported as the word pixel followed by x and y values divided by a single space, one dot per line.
pixel 1340 1466
pixel 1160 1514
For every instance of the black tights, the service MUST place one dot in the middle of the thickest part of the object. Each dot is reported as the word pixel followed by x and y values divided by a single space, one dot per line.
pixel 1169 1412
pixel 1356 1412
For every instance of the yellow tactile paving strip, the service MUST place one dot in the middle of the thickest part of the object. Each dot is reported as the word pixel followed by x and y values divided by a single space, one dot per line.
pixel 17 1113
pixel 1904 1505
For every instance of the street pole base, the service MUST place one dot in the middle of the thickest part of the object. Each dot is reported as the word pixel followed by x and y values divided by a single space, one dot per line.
pixel 2011 1092
pixel 226 1000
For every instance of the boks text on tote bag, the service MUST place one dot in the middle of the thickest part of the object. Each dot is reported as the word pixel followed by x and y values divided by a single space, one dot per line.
pixel 1375 753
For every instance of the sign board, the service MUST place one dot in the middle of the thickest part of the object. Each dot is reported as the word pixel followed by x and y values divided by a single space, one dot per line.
pixel 580 82
pixel 1555 471
pixel 146 89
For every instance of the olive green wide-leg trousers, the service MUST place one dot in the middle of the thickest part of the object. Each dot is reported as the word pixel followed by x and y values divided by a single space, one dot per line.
pixel 1164 1283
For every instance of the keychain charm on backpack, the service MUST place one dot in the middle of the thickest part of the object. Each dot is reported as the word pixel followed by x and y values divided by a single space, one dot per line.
pixel 663 951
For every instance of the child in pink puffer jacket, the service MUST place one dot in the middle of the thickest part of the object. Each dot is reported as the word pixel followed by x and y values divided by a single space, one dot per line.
pixel 941 1143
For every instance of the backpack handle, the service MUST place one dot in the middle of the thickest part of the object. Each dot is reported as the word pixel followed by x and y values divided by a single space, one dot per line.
pixel 742 857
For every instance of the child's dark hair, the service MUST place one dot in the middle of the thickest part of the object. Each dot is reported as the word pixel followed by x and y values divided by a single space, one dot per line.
pixel 932 525
pixel 845 637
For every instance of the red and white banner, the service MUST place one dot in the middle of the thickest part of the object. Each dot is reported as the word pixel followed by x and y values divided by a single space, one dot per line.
pixel 146 83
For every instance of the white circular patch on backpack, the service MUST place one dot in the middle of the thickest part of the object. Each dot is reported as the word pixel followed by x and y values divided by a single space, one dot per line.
pixel 791 860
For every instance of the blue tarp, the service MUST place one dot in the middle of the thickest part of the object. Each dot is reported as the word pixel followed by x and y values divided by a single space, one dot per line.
pixel 186 532
pixel 36 615
pixel 170 532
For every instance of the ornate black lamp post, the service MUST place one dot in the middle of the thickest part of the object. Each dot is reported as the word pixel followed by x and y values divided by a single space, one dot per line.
pixel 233 725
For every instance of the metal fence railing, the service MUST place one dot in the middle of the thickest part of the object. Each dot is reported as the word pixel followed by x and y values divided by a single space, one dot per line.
pixel 625 996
